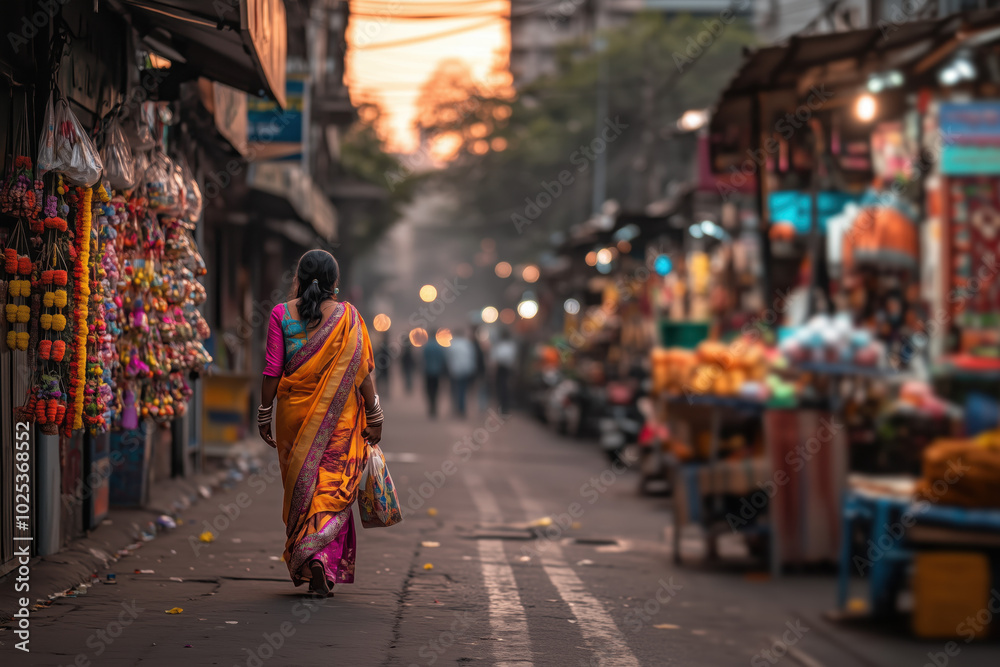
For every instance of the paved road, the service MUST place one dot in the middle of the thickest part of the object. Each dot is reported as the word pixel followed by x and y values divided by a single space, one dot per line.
pixel 598 588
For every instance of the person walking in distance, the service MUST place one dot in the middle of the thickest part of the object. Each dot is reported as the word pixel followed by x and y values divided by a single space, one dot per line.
pixel 434 368
pixel 504 358
pixel 408 362
pixel 461 357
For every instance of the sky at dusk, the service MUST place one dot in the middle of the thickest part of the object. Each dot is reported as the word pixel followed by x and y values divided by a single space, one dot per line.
pixel 389 59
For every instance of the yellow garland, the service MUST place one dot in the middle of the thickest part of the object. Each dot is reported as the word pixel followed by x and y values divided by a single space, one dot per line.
pixel 84 286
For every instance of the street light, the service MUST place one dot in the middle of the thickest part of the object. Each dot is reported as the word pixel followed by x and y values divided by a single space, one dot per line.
pixel 418 337
pixel 527 309
pixel 490 314
pixel 503 269
pixel 428 293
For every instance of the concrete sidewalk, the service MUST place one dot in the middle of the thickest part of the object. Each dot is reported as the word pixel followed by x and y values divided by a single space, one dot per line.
pixel 125 530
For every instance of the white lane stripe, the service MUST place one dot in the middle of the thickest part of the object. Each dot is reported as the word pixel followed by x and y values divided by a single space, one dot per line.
pixel 486 504
pixel 598 628
pixel 508 621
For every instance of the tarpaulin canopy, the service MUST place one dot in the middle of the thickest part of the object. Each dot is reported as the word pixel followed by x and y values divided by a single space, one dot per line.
pixel 242 43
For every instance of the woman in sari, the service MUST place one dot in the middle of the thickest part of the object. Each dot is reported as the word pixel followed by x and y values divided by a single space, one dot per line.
pixel 319 365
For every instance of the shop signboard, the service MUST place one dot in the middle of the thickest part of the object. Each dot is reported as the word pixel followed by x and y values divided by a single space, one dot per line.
pixel 971 138
pixel 265 23
pixel 275 132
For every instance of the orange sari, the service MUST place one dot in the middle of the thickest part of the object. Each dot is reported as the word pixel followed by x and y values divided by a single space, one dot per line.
pixel 318 424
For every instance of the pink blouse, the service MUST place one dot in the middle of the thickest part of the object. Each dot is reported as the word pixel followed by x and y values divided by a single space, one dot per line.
pixel 274 355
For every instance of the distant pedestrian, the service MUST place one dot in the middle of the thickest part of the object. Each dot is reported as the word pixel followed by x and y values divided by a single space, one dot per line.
pixel 319 365
pixel 504 358
pixel 434 368
pixel 461 356
pixel 408 361
pixel 481 387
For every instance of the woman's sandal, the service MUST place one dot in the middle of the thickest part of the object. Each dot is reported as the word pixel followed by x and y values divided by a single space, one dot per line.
pixel 318 585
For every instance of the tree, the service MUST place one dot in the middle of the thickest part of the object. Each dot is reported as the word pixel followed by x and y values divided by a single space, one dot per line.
pixel 523 165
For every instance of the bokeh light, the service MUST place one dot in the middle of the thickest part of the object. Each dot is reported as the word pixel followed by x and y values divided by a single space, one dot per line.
pixel 591 258
pixel 503 269
pixel 490 314
pixel 530 273
pixel 507 316
pixel 604 256
pixel 382 322
pixel 527 309
pixel 624 247
pixel 464 270
pixel 428 293
pixel 571 306
pixel 418 337
pixel 443 337
pixel 498 144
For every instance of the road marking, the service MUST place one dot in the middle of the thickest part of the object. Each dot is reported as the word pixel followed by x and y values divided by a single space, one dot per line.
pixel 508 620
pixel 489 510
pixel 598 628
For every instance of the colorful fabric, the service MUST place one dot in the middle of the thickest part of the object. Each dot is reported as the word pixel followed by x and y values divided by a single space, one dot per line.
pixel 319 420
pixel 285 336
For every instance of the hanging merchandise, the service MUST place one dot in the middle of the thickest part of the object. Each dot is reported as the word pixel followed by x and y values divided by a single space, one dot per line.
pixel 164 185
pixel 193 198
pixel 65 147
pixel 119 165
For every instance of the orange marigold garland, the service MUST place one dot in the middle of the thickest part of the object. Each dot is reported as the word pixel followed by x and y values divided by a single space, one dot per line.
pixel 81 291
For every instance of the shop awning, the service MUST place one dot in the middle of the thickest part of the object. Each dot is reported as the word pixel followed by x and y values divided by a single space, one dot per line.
pixel 242 43
pixel 847 58
pixel 291 193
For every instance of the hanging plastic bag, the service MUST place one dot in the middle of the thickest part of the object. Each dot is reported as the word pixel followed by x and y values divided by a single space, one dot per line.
pixel 377 500
pixel 119 166
pixel 162 185
pixel 76 157
pixel 47 143
pixel 193 201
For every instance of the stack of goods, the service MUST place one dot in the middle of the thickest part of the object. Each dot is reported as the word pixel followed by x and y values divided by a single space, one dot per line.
pixel 833 340
pixel 976 484
pixel 711 369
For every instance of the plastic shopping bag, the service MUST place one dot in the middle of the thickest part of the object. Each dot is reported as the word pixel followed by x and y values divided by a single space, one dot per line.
pixel 65 147
pixel 377 501
pixel 119 166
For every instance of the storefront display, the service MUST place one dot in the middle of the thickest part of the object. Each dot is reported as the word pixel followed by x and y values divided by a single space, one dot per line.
pixel 101 286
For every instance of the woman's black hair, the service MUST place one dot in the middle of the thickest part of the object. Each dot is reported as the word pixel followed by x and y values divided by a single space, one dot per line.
pixel 316 276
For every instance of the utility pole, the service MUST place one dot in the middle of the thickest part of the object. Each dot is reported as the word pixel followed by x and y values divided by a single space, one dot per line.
pixel 601 163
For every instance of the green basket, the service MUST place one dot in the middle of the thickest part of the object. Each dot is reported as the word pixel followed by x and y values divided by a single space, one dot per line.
pixel 683 334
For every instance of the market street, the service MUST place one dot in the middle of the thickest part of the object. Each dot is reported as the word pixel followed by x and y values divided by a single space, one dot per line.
pixel 603 593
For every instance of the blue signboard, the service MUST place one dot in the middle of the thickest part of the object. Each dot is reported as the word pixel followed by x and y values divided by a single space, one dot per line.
pixel 970 134
pixel 268 123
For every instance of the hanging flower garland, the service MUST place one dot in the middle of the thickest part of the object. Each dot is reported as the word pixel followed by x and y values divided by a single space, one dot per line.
pixel 81 292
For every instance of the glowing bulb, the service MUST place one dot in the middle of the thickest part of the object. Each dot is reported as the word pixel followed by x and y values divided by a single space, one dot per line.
pixel 428 293
pixel 865 108
pixel 503 269
pixel 527 309
pixel 418 337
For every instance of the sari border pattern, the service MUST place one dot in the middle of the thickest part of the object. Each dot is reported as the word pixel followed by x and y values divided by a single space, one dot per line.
pixel 312 345
pixel 306 482
pixel 316 542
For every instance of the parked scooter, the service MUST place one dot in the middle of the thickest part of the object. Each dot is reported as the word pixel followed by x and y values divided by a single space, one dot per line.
pixel 621 421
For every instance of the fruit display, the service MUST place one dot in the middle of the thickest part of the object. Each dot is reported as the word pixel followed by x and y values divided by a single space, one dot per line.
pixel 712 368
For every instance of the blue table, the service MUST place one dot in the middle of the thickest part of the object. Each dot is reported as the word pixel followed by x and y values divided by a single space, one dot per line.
pixel 889 553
